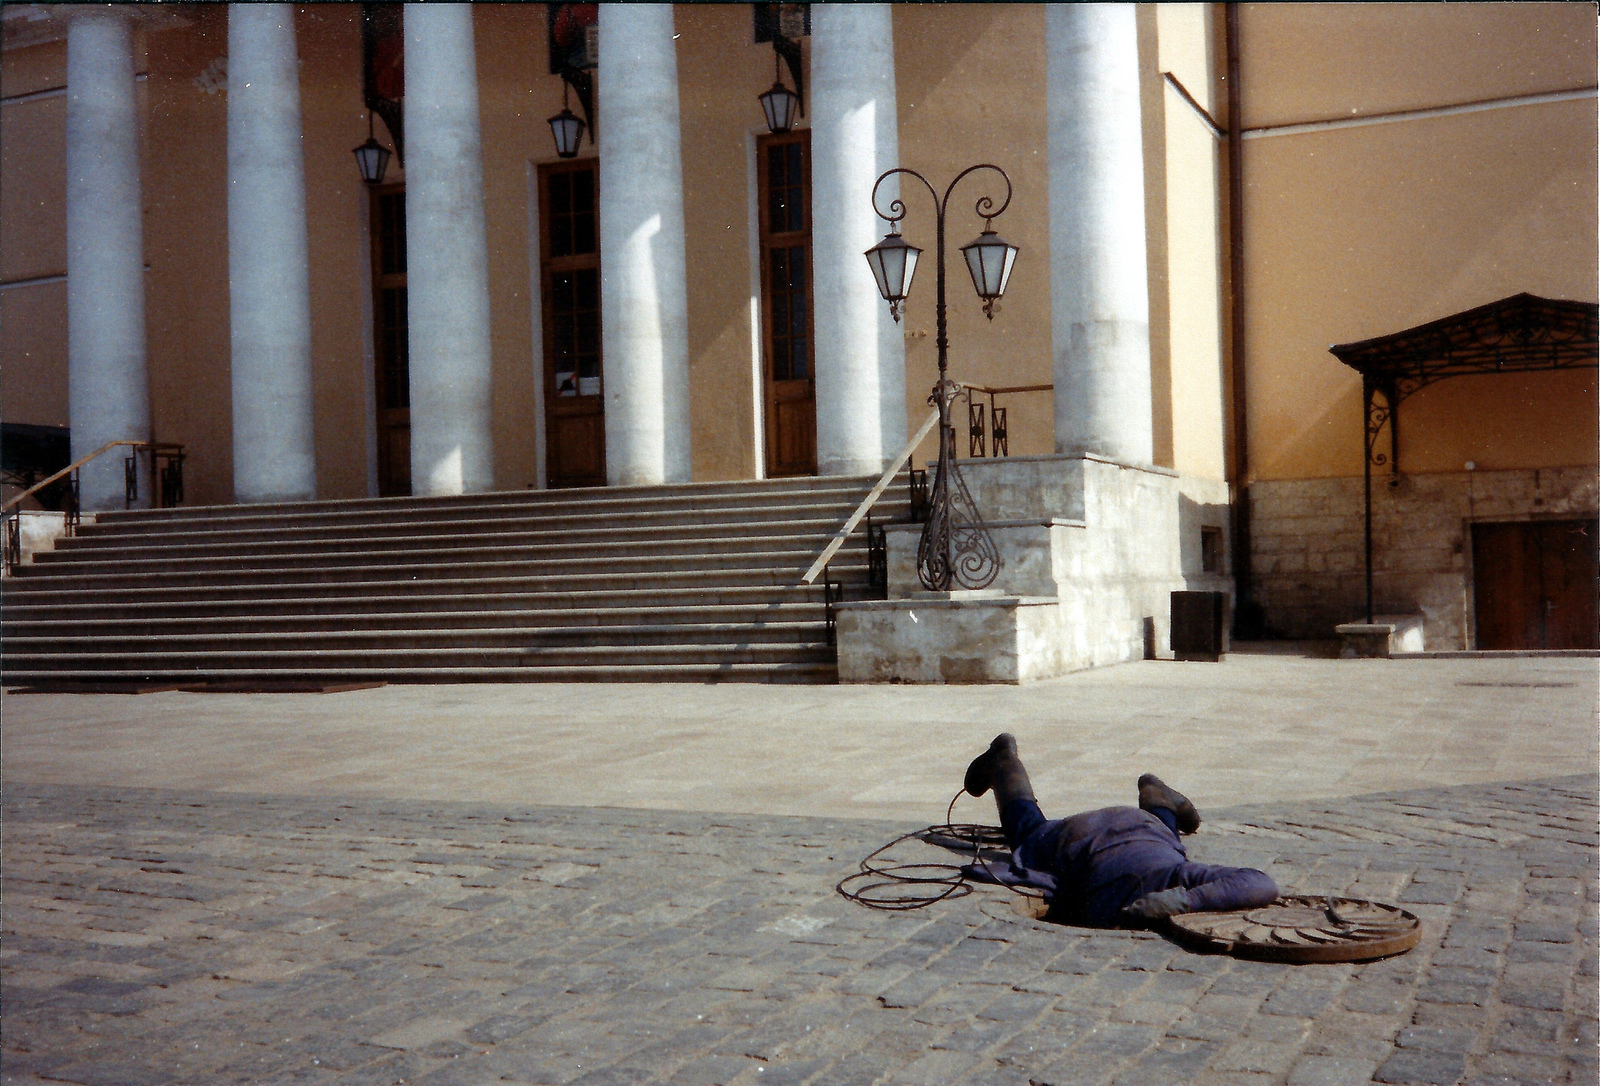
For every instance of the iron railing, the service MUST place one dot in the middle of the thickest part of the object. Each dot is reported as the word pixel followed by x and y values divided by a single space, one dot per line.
pixel 166 483
pixel 993 439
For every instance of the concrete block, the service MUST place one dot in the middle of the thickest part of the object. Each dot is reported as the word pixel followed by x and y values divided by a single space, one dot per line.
pixel 1385 636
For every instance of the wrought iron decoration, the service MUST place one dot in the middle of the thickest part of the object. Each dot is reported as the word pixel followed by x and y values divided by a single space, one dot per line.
pixel 956 547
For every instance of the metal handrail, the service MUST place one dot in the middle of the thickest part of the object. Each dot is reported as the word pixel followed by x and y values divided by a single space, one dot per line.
pixel 999 440
pixel 76 464
pixel 168 479
pixel 866 503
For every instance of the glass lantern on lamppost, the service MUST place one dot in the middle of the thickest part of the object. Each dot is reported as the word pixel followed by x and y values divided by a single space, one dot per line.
pixel 990 259
pixel 956 548
pixel 372 157
pixel 893 261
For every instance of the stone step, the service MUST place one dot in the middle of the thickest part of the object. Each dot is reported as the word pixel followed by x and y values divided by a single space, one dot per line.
pixel 139 624
pixel 703 634
pixel 245 604
pixel 731 505
pixel 401 537
pixel 779 491
pixel 300 660
pixel 819 671
pixel 383 580
pixel 489 562
pixel 692 583
pixel 831 514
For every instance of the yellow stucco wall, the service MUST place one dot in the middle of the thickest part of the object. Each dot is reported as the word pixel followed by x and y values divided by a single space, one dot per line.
pixel 33 237
pixel 970 85
pixel 1358 232
pixel 1195 199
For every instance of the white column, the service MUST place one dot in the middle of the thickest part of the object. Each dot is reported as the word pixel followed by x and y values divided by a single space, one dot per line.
pixel 1099 296
pixel 861 355
pixel 447 259
pixel 643 300
pixel 269 285
pixel 108 395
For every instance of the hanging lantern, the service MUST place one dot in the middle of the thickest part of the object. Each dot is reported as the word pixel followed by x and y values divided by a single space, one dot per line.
pixel 893 261
pixel 780 104
pixel 990 258
pixel 372 157
pixel 567 128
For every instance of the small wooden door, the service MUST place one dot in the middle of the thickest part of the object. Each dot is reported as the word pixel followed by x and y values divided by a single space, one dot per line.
pixel 391 356
pixel 1537 585
pixel 574 405
pixel 784 172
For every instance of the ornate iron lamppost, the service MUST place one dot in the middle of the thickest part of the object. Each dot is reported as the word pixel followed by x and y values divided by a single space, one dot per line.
pixel 956 548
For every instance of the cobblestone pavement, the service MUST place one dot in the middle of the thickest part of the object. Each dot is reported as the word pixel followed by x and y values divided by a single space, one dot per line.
pixel 162 936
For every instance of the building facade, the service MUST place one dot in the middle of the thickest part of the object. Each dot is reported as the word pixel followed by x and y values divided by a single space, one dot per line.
pixel 1205 198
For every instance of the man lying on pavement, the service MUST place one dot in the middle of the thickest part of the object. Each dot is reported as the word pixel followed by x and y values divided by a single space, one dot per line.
pixel 1116 866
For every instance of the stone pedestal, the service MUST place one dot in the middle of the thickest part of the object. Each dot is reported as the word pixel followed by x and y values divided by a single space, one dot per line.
pixel 1091 552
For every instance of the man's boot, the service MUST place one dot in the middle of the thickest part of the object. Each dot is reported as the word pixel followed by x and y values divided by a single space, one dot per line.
pixel 999 768
pixel 1154 796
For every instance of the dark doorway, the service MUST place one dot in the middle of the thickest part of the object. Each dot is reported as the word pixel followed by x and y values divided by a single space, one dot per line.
pixel 784 173
pixel 391 354
pixel 1536 585
pixel 569 243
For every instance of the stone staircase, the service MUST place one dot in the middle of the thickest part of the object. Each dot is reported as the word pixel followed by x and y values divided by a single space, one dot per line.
pixel 698 582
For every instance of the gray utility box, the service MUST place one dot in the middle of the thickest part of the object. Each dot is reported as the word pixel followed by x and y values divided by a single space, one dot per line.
pixel 1199 625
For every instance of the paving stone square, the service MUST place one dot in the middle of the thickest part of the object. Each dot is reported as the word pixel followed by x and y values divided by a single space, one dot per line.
pixel 168 934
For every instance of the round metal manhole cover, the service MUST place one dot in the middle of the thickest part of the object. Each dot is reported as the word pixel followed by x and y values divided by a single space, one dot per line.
pixel 1301 928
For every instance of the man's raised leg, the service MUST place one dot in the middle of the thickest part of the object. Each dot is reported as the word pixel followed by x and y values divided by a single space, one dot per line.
pixel 1167 804
pixel 1000 769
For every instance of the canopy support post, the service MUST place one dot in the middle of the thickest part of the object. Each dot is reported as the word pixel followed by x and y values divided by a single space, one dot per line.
pixel 1366 471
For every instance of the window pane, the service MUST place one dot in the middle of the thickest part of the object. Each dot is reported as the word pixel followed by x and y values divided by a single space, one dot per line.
pixel 588 289
pixel 560 235
pixel 392 233
pixel 583 239
pixel 797 356
pixel 582 191
pixel 560 193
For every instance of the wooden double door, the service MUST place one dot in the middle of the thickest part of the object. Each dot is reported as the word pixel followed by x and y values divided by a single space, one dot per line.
pixel 1536 585
pixel 788 356
pixel 574 379
pixel 391 354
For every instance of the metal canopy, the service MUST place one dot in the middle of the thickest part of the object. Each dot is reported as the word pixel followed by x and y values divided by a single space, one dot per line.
pixel 1519 334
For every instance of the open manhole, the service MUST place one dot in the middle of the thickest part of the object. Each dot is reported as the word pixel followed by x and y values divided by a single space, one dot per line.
pixel 1302 928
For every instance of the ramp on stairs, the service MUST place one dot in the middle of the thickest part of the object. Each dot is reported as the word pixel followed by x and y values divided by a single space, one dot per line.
pixel 698 582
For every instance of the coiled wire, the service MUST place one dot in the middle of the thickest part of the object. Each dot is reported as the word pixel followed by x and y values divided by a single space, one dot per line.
pixel 897 887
